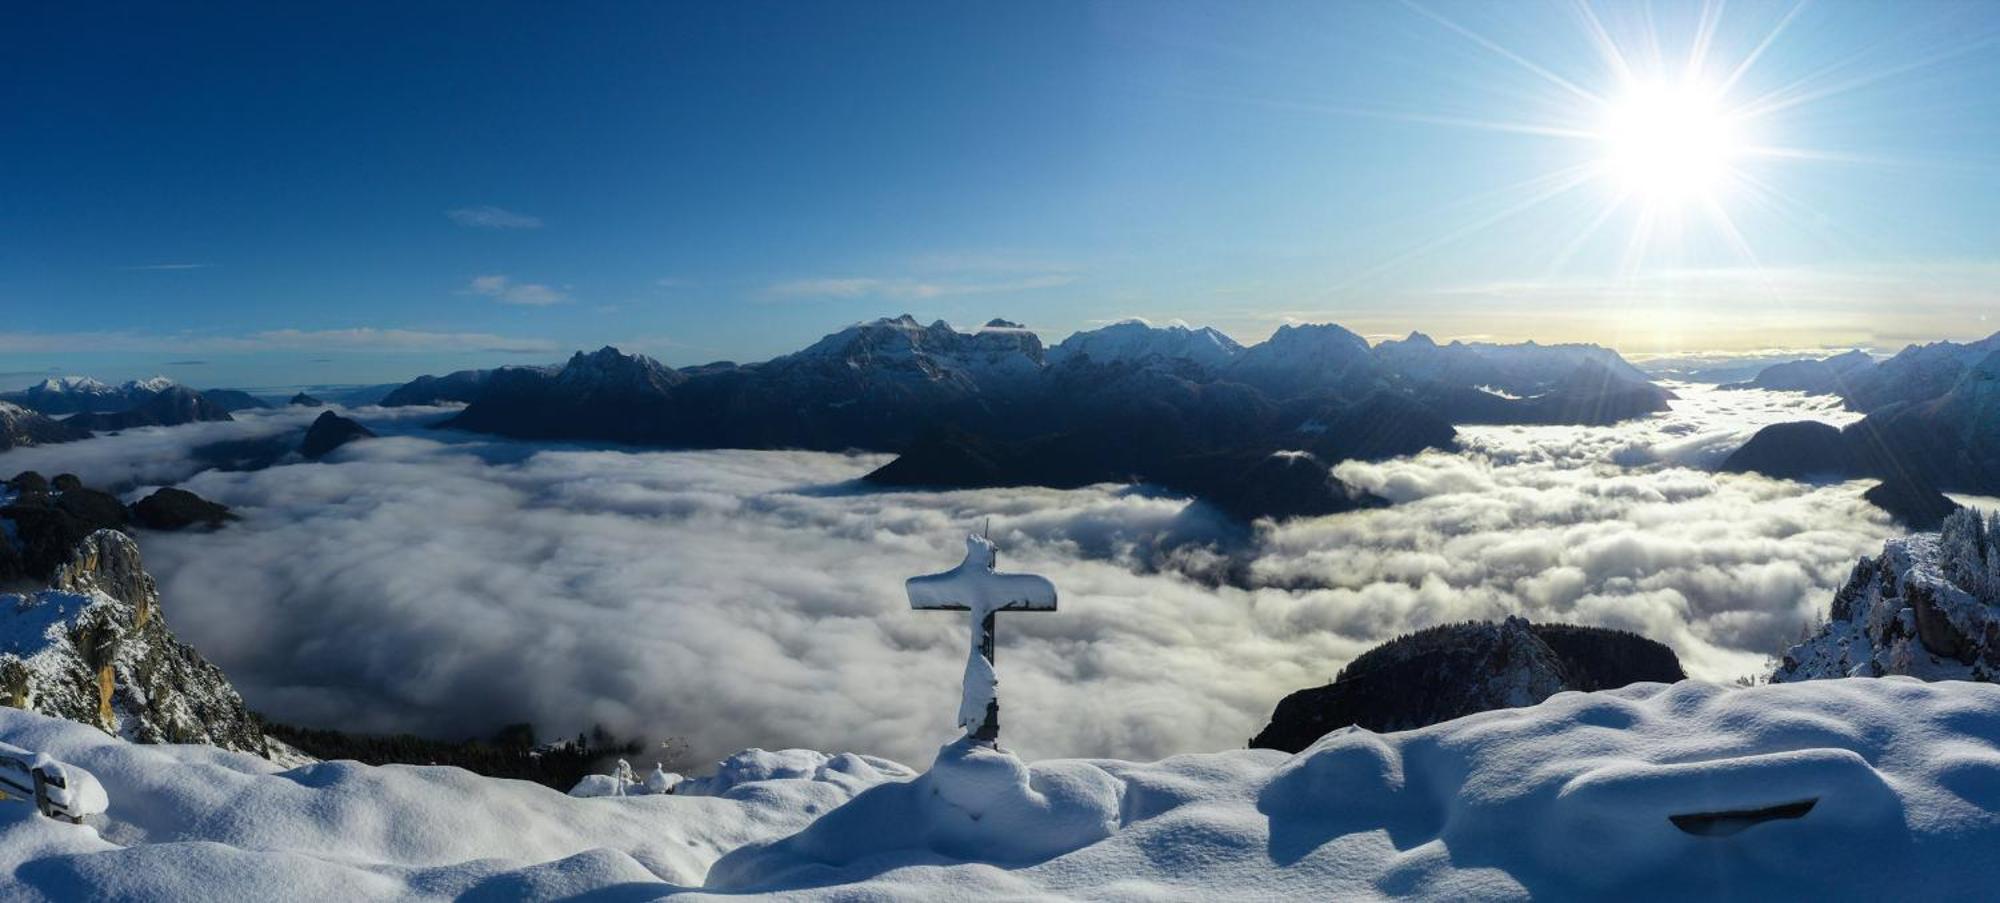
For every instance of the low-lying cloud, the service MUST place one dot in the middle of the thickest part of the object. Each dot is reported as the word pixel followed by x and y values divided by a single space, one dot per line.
pixel 446 584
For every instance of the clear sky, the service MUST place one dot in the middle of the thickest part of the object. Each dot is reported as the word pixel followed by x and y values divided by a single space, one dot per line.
pixel 288 193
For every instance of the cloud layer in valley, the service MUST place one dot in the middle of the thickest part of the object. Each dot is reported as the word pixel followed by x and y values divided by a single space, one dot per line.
pixel 444 583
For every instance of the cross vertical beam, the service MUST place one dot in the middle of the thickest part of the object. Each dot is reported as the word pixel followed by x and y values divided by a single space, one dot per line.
pixel 989 730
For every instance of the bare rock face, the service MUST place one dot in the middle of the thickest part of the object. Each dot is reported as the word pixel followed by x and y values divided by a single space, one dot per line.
pixel 94 648
pixel 1456 670
pixel 1927 607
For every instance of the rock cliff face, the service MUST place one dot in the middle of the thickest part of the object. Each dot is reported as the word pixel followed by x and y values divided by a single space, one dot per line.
pixel 1927 607
pixel 93 647
pixel 1456 670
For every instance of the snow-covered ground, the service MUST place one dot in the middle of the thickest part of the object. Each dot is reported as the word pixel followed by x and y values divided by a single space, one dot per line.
pixel 1840 789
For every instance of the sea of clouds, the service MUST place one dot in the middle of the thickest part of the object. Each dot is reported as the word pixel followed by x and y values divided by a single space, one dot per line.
pixel 445 583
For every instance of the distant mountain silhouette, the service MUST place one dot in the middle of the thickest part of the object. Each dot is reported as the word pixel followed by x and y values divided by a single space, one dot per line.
pixel 1130 401
pixel 1948 439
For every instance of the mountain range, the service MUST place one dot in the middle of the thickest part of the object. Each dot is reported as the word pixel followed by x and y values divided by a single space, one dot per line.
pixel 1187 408
pixel 1933 419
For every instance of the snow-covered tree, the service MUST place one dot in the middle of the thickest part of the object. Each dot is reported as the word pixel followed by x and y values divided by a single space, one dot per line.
pixel 1970 559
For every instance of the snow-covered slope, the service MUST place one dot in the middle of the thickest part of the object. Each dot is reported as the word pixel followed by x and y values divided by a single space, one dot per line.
pixel 20 426
pixel 1140 342
pixel 1928 607
pixel 79 394
pixel 1850 789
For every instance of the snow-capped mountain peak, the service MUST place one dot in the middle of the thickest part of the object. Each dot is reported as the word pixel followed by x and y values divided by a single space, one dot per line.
pixel 155 384
pixel 1138 341
pixel 70 385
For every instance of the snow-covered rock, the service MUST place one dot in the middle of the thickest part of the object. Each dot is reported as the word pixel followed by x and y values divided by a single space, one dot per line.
pixel 992 356
pixel 1140 342
pixel 1927 607
pixel 1305 358
pixel 94 648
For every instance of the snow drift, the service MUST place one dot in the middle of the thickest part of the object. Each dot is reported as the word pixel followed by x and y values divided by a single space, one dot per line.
pixel 1852 788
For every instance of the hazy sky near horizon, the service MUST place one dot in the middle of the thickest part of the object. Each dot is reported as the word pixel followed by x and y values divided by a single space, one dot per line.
pixel 275 194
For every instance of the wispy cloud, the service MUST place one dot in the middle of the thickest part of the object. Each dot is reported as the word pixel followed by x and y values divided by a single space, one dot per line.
pixel 505 290
pixel 186 363
pixel 490 217
pixel 354 339
pixel 156 267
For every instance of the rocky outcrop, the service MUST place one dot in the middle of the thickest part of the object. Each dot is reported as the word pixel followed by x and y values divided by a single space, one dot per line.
pixel 20 426
pixel 94 647
pixel 42 521
pixel 328 432
pixel 1927 607
pixel 1458 669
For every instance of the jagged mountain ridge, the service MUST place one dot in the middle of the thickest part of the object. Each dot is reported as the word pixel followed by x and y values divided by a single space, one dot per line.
pixel 1127 402
pixel 1950 440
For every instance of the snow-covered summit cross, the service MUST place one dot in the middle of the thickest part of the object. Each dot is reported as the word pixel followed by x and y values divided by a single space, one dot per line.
pixel 974 587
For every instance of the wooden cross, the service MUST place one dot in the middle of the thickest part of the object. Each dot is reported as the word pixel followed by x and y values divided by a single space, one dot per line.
pixel 974 587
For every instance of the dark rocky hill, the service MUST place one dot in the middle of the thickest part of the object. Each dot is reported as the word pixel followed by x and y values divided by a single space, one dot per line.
pixel 1456 670
pixel 328 432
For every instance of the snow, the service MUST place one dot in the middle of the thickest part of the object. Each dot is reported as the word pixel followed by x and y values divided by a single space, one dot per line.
pixel 155 384
pixel 68 384
pixel 1139 341
pixel 1866 788
pixel 73 789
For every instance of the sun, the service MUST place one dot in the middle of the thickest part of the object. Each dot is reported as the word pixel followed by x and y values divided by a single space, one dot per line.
pixel 1669 143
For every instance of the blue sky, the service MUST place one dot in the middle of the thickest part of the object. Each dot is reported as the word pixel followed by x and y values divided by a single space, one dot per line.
pixel 274 194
